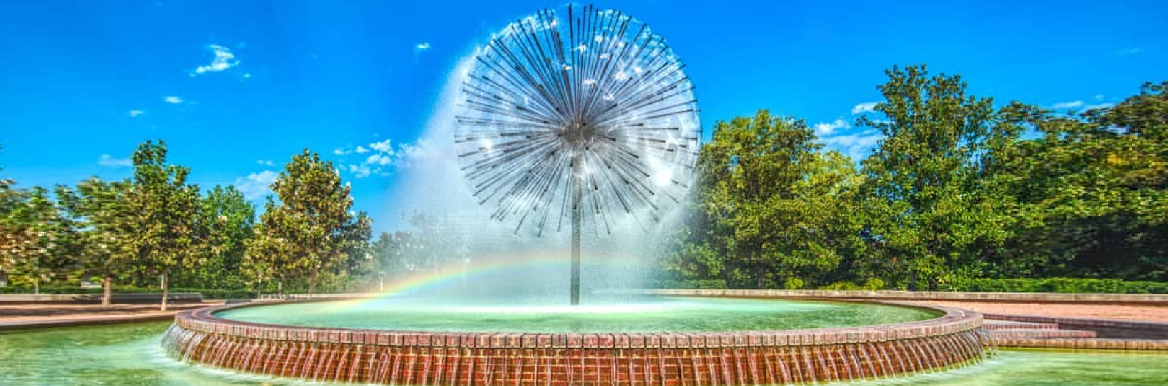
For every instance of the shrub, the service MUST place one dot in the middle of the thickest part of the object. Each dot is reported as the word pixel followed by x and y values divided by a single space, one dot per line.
pixel 873 284
pixel 708 284
pixel 793 283
pixel 842 286
pixel 207 292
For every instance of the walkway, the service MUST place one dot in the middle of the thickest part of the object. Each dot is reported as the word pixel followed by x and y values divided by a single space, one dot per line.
pixel 25 316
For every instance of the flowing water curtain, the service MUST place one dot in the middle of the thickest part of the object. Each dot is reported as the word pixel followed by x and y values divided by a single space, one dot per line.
pixel 577 97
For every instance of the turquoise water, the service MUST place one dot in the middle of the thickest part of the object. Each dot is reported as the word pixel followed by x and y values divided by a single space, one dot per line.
pixel 129 354
pixel 671 314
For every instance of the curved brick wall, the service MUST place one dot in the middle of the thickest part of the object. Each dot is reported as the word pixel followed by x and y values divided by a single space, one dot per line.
pixel 512 359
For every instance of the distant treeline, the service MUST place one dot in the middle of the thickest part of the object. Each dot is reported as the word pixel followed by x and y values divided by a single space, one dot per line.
pixel 154 231
pixel 959 193
pixel 957 190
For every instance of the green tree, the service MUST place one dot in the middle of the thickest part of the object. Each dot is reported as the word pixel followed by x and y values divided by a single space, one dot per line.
pixel 773 205
pixel 922 178
pixel 360 266
pixel 1092 190
pixel 310 229
pixel 35 232
pixel 104 229
pixel 165 207
pixel 267 251
pixel 228 219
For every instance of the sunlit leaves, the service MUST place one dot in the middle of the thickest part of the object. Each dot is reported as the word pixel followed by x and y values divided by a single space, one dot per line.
pixel 308 227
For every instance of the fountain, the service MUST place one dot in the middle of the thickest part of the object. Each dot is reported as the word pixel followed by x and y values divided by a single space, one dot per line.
pixel 581 119
pixel 589 118
pixel 562 355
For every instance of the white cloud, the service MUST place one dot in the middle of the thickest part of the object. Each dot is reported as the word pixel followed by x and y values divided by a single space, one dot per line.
pixel 866 138
pixel 386 158
pixel 1104 105
pixel 829 127
pixel 136 113
pixel 266 162
pixel 423 151
pixel 360 171
pixel 856 145
pixel 1098 97
pixel 109 160
pixel 378 159
pixel 256 185
pixel 172 99
pixel 866 107
pixel 224 60
pixel 423 46
pixel 381 147
pixel 1067 105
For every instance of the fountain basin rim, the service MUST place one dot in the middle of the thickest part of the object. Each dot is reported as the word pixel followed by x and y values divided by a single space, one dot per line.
pixel 951 321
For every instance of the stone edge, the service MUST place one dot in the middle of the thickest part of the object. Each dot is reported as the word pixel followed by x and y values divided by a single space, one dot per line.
pixel 952 321
pixel 910 295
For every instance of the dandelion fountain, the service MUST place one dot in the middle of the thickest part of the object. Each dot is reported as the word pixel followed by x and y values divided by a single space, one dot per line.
pixel 578 119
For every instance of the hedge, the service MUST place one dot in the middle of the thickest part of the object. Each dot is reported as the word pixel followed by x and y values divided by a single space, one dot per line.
pixel 1057 285
pixel 1061 285
pixel 207 293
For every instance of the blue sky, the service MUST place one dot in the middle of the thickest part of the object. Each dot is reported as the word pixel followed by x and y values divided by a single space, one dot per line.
pixel 237 87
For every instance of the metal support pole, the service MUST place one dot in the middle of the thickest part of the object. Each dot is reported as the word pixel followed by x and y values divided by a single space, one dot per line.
pixel 576 198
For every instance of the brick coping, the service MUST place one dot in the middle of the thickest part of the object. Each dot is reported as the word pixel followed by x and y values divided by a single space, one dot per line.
pixel 1087 322
pixel 84 321
pixel 1085 344
pixel 952 321
pixel 1047 297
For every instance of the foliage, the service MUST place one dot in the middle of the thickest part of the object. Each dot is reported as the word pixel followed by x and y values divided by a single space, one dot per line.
pixel 103 229
pixel 873 284
pixel 34 237
pixel 1092 191
pixel 957 191
pixel 841 286
pixel 793 283
pixel 228 219
pixel 767 203
pixel 167 235
pixel 921 190
pixel 310 229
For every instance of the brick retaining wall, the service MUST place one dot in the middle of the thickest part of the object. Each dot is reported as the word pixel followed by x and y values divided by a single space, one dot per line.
pixel 1044 297
pixel 621 359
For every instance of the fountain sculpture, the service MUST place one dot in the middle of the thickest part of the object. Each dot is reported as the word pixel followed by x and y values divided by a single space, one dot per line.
pixel 587 117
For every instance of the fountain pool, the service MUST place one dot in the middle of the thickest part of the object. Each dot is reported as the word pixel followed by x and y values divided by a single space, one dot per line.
pixel 644 315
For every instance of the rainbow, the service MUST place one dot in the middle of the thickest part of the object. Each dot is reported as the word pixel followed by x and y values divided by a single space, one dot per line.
pixel 487 265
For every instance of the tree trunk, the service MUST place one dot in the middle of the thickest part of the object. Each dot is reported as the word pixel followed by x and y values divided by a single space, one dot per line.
pixel 106 283
pixel 36 286
pixel 164 291
pixel 280 288
pixel 311 285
